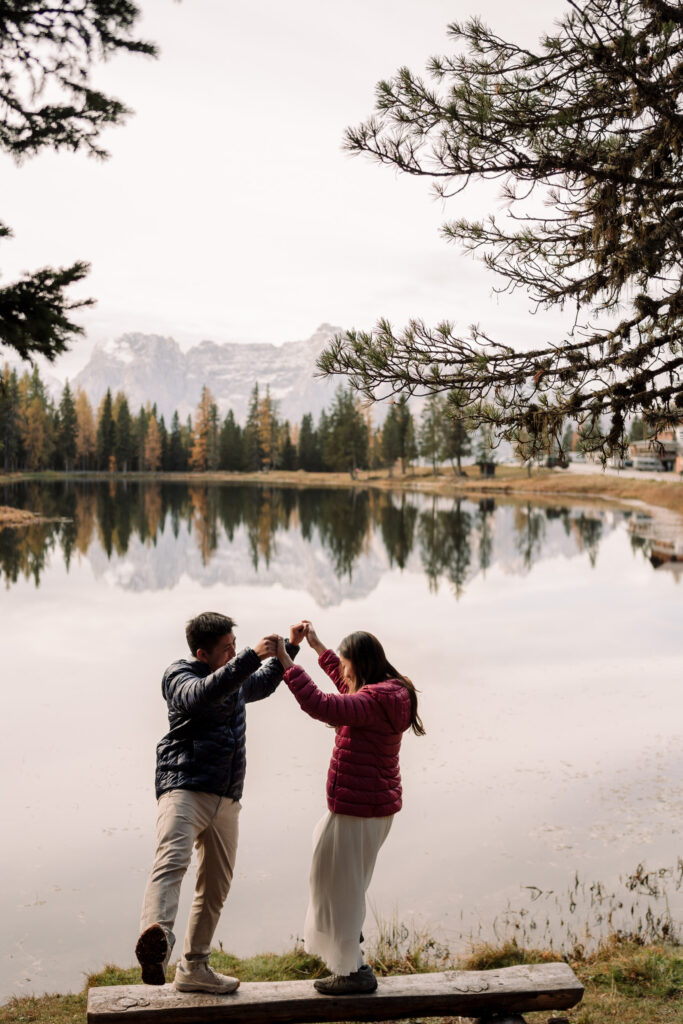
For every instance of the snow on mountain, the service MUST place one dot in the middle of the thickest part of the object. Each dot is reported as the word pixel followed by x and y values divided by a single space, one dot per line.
pixel 175 556
pixel 172 558
pixel 150 368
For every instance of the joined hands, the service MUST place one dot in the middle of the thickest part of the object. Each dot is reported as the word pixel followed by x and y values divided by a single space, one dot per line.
pixel 273 646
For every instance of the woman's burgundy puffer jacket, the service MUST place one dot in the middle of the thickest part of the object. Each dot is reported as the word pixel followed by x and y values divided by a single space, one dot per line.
pixel 363 778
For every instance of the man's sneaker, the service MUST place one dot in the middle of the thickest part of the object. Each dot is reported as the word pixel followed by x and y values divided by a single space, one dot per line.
pixel 362 980
pixel 153 953
pixel 197 976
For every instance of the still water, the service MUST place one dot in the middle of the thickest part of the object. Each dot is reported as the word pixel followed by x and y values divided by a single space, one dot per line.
pixel 545 641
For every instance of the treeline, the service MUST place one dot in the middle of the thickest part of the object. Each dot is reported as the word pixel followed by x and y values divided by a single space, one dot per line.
pixel 36 433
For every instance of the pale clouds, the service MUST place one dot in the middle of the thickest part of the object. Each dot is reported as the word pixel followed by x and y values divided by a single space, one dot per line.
pixel 228 209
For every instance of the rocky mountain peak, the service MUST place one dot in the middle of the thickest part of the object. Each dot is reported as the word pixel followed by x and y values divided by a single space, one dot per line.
pixel 153 368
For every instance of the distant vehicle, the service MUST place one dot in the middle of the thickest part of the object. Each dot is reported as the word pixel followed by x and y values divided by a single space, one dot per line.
pixel 650 462
pixel 551 461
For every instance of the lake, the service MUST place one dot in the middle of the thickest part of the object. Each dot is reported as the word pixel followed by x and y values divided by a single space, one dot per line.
pixel 545 641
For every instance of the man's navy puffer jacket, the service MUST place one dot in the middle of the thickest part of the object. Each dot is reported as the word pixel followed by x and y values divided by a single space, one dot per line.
pixel 204 748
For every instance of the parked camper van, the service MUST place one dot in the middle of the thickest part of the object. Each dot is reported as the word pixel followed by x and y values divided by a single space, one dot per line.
pixel 650 462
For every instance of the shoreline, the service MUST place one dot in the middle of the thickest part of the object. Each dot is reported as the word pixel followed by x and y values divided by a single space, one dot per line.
pixel 512 483
pixel 617 977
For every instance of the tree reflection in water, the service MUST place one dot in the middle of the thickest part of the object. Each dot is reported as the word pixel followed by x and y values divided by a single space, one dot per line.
pixel 445 544
pixel 397 523
pixel 451 539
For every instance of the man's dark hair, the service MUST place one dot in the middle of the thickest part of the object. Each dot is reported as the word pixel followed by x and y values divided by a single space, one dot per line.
pixel 205 630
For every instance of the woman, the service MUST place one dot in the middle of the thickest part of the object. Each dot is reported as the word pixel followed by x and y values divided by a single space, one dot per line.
pixel 374 707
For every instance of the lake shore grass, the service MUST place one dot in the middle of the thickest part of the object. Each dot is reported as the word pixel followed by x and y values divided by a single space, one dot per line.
pixel 625 982
pixel 512 483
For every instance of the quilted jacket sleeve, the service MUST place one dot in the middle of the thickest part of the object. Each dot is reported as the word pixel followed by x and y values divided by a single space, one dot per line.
pixel 264 682
pixel 359 709
pixel 329 663
pixel 191 692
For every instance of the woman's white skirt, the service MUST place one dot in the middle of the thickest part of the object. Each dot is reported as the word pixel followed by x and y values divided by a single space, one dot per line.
pixel 345 849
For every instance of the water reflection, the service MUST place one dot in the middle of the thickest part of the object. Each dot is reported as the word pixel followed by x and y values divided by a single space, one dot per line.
pixel 451 540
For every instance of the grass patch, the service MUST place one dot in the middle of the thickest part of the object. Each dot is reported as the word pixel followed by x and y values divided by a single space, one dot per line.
pixel 397 949
pixel 486 957
pixel 633 970
pixel 53 1009
pixel 294 965
pixel 626 982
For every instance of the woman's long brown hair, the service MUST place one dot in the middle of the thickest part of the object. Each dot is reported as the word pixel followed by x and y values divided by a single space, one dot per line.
pixel 370 664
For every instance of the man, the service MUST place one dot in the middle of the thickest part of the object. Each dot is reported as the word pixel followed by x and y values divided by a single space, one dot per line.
pixel 200 769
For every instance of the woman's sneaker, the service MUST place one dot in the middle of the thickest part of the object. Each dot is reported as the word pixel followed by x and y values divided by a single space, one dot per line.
pixel 362 980
pixel 197 976
pixel 153 952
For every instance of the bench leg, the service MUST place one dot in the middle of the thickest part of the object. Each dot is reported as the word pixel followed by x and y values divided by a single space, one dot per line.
pixel 495 1018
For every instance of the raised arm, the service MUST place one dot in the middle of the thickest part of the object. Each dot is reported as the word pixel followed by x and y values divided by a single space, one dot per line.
pixel 191 693
pixel 266 680
pixel 330 664
pixel 327 659
pixel 360 709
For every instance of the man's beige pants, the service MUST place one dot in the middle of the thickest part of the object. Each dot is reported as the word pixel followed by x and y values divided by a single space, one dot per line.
pixel 209 822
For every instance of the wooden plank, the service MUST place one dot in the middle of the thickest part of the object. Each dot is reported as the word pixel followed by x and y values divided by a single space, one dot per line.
pixel 450 993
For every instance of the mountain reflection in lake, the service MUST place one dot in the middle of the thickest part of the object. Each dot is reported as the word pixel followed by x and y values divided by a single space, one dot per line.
pixel 545 641
pixel 453 539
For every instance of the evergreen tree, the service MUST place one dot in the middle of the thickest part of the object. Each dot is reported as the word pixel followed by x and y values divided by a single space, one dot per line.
pixel 49 101
pixel 286 458
pixel 212 439
pixel 457 441
pixel 124 446
pixel 68 428
pixel 176 452
pixel 323 430
pixel 253 456
pixel 140 436
pixel 309 447
pixel 230 444
pixel 346 446
pixel 106 432
pixel 9 418
pixel 431 434
pixel 586 134
pixel 390 444
pixel 36 387
pixel 398 435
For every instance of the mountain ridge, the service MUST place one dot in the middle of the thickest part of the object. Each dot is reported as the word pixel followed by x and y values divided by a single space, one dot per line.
pixel 153 368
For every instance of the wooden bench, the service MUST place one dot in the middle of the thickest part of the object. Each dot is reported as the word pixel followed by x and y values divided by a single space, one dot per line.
pixel 500 994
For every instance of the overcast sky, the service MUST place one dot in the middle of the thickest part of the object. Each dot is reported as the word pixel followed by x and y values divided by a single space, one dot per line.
pixel 228 209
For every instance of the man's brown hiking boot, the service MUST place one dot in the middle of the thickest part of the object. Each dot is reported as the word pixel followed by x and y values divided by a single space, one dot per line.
pixel 153 953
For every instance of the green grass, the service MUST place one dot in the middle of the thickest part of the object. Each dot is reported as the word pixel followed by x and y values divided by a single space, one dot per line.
pixel 626 982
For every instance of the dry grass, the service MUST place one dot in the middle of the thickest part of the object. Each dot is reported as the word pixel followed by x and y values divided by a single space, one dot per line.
pixel 17 517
